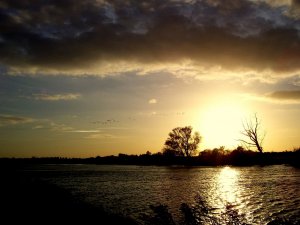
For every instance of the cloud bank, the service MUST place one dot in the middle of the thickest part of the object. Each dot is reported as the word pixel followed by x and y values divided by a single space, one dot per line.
pixel 98 37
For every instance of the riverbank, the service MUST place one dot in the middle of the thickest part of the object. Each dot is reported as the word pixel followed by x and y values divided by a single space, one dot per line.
pixel 29 200
pixel 215 157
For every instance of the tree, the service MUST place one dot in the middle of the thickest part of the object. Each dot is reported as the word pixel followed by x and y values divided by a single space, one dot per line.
pixel 252 132
pixel 181 142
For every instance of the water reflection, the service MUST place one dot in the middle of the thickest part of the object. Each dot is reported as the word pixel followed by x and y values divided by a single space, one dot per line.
pixel 259 193
pixel 227 185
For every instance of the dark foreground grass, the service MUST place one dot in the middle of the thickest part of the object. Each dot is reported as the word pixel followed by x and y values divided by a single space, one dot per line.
pixel 28 200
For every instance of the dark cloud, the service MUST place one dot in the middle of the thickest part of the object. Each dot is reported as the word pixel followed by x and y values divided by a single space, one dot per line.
pixel 285 95
pixel 64 34
pixel 296 3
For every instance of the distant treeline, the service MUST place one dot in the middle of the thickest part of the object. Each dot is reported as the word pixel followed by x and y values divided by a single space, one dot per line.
pixel 215 157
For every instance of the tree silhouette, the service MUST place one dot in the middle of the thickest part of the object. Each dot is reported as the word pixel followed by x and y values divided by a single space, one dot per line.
pixel 252 131
pixel 181 142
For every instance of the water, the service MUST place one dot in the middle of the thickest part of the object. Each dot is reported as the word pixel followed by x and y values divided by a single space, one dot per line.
pixel 260 193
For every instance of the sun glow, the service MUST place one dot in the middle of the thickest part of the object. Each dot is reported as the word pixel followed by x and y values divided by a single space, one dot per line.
pixel 220 124
pixel 228 187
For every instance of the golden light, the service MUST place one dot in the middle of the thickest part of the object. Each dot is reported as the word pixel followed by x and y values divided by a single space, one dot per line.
pixel 227 185
pixel 220 124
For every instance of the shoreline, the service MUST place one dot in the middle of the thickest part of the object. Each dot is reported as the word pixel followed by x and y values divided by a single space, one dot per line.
pixel 216 157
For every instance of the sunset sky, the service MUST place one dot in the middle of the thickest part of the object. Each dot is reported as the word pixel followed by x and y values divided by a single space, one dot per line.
pixel 95 77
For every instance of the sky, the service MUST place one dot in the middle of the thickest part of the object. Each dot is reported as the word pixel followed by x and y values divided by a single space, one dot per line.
pixel 95 77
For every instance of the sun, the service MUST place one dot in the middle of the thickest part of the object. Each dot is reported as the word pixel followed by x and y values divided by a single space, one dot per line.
pixel 220 124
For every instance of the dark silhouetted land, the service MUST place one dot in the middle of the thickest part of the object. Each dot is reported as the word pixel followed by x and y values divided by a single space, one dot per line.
pixel 215 157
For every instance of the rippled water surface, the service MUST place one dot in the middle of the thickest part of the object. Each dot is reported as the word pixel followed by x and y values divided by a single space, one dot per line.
pixel 261 193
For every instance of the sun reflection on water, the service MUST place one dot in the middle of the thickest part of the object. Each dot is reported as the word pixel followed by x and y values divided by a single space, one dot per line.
pixel 228 185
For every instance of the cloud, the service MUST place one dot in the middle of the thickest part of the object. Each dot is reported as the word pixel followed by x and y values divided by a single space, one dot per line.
pixel 56 97
pixel 50 125
pixel 85 131
pixel 92 37
pixel 101 136
pixel 160 114
pixel 7 120
pixel 285 95
pixel 59 127
pixel 277 97
pixel 115 128
pixel 38 127
pixel 152 101
pixel 296 81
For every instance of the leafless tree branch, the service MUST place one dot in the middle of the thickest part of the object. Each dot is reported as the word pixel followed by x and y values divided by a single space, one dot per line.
pixel 251 131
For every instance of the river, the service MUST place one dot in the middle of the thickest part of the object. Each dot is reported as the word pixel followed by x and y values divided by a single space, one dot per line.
pixel 258 193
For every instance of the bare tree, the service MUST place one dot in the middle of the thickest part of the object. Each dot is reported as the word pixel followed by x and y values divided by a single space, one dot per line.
pixel 182 142
pixel 253 134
